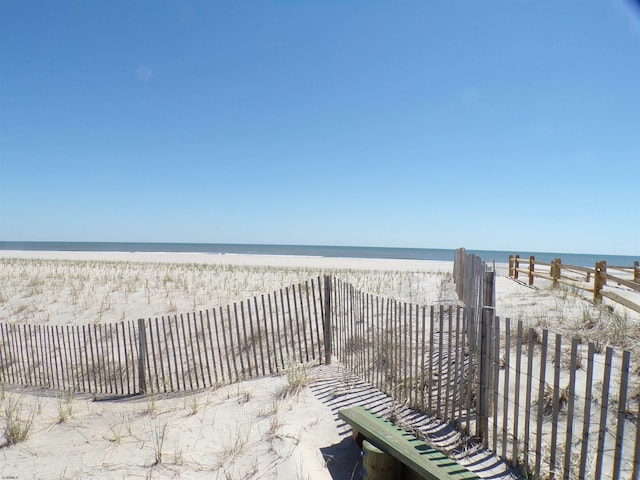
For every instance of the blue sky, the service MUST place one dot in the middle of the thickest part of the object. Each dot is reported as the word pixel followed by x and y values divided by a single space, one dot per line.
pixel 492 125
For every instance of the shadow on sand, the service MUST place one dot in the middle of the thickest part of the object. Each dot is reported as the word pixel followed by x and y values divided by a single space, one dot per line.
pixel 344 460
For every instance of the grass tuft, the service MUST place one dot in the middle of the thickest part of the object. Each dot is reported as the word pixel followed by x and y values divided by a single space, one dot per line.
pixel 17 426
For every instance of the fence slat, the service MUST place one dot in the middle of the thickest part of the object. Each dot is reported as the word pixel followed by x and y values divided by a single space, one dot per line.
pixel 507 368
pixel 190 323
pixel 27 353
pixel 105 356
pixel 60 355
pixel 260 335
pixel 460 361
pixel 293 341
pixel 216 367
pixel 423 345
pixel 622 412
pixel 604 405
pixel 586 424
pixel 527 401
pixel 4 358
pixel 113 359
pixel 199 334
pixel 176 367
pixel 636 455
pixel 284 325
pixel 556 404
pixel 431 343
pixel 24 354
pixel 275 328
pixel 496 379
pixel 244 347
pixel 44 354
pixel 186 343
pixel 152 344
pixel 206 349
pixel 224 343
pixel 407 342
pixel 571 397
pixel 307 290
pixel 133 351
pixel 231 344
pixel 15 357
pixel 541 387
pixel 304 323
pixel 269 336
pixel 516 400
pixel 317 297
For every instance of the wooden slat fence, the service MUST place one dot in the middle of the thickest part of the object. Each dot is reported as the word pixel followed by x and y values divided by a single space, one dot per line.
pixel 256 337
pixel 563 409
pixel 554 408
pixel 100 358
pixel 415 354
pixel 550 407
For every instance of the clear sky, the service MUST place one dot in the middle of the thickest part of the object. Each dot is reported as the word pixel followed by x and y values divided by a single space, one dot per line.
pixel 504 125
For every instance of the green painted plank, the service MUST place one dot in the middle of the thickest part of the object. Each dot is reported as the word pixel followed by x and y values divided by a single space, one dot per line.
pixel 423 459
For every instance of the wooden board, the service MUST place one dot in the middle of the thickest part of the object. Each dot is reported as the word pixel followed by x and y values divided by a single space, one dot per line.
pixel 417 455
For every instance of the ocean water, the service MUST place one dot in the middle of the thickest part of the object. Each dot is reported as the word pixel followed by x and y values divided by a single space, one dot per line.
pixel 446 254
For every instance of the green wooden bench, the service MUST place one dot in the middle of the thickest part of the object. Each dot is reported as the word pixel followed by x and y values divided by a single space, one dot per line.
pixel 423 461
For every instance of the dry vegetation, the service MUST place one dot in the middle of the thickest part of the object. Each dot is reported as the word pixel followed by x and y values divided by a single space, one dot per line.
pixel 66 291
pixel 566 311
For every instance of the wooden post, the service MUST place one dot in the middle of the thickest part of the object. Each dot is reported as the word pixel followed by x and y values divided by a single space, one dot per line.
pixel 556 270
pixel 511 265
pixel 489 289
pixel 636 271
pixel 516 266
pixel 484 390
pixel 599 280
pixel 142 356
pixel 327 320
pixel 532 266
pixel 377 465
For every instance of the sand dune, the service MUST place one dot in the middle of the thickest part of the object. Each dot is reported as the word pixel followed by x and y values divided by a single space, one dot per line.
pixel 273 427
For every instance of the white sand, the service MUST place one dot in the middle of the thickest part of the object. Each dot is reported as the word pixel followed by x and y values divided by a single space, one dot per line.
pixel 247 430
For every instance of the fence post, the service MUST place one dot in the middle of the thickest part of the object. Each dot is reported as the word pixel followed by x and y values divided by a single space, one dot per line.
pixel 555 270
pixel 485 375
pixel 142 355
pixel 327 320
pixel 485 389
pixel 489 299
pixel 636 271
pixel 599 280
pixel 516 265
pixel 532 266
pixel 511 265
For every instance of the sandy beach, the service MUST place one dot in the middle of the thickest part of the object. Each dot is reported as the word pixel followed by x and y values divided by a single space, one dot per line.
pixel 274 427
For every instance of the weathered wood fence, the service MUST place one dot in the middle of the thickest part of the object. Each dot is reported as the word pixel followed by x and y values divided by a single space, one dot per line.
pixel 248 339
pixel 562 409
pixel 620 284
pixel 415 354
pixel 550 408
pixel 547 406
